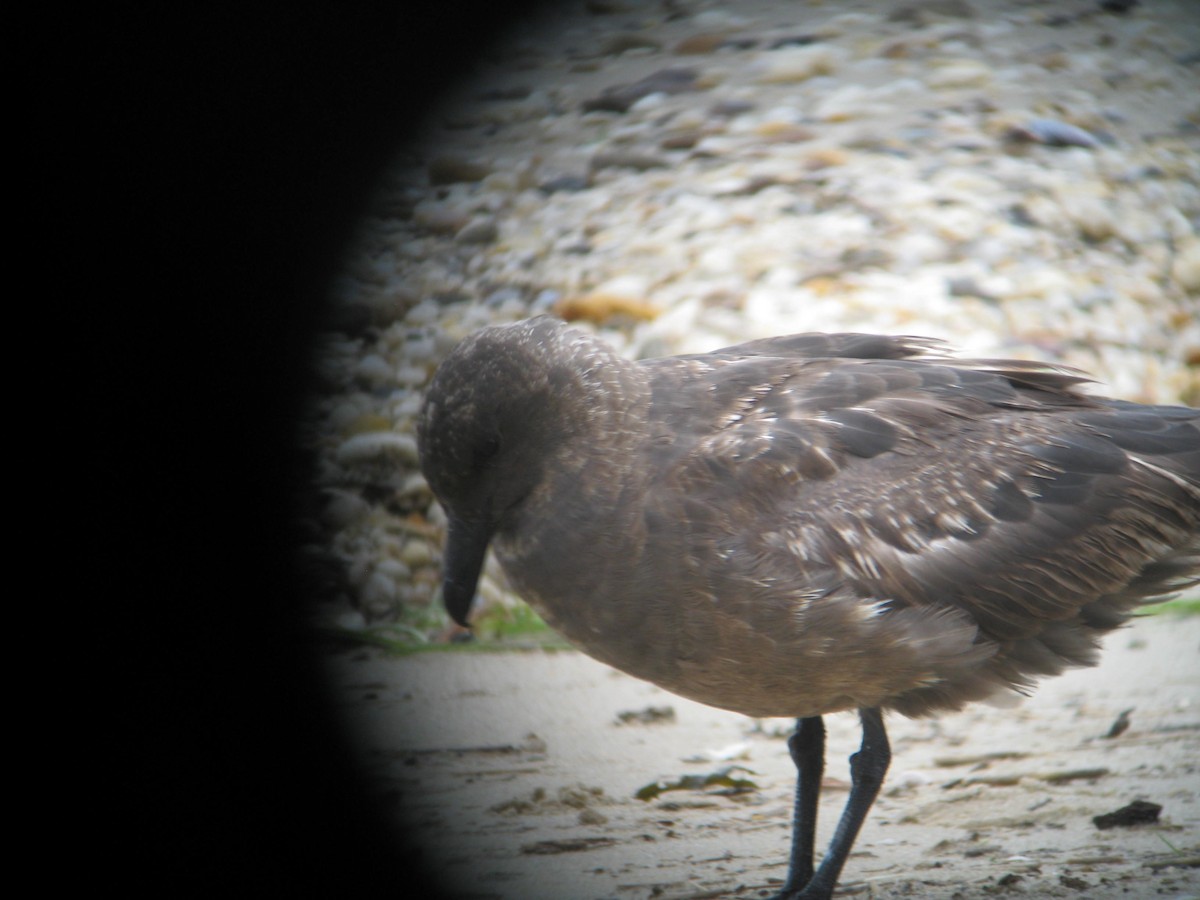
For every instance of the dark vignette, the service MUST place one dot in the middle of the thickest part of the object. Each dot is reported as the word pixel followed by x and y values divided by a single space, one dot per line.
pixel 241 145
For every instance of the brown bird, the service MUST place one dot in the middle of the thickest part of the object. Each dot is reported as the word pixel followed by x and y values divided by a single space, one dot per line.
pixel 808 524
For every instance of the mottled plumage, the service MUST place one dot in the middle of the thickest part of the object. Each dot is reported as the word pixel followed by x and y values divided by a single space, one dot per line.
pixel 807 524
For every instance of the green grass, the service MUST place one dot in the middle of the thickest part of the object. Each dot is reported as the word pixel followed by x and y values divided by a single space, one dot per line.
pixel 501 627
pixel 1188 605
pixel 515 622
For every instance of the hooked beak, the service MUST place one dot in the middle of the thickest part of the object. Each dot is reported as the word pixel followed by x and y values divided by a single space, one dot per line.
pixel 466 547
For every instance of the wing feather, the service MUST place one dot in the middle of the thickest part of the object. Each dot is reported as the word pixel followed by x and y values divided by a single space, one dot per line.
pixel 989 489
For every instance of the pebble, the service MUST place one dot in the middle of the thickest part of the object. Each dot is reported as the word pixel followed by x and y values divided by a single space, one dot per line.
pixel 727 109
pixel 1054 133
pixel 1185 267
pixel 343 509
pixel 619 98
pixel 416 554
pixel 378 594
pixel 700 44
pixel 441 218
pixel 453 169
pixel 478 231
pixel 374 370
pixel 626 159
pixel 929 10
pixel 565 183
pixel 794 64
pixel 1016 186
pixel 600 307
pixel 959 73
pixel 626 40
pixel 852 101
pixel 386 447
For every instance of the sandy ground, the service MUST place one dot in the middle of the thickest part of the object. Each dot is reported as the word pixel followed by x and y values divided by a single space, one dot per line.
pixel 511 774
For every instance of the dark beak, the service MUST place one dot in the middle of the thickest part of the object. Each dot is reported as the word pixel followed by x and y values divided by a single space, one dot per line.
pixel 466 548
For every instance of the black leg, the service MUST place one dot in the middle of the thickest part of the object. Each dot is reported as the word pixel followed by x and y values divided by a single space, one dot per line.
pixel 807 746
pixel 867 768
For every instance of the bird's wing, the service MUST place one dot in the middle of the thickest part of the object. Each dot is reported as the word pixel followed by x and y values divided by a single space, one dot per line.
pixel 987 486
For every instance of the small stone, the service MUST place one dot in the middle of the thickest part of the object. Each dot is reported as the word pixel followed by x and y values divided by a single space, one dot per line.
pixel 343 508
pixel 851 101
pixel 794 40
pixel 416 553
pixel 739 43
pixel 650 715
pixel 592 817
pixel 796 64
pixel 1053 133
pixel 479 231
pixel 454 169
pixel 857 259
pixel 1090 213
pixel 626 159
pixel 394 569
pixel 600 307
pixel 440 218
pixel 683 139
pixel 727 109
pixel 778 131
pixel 579 796
pixel 374 370
pixel 409 376
pixel 926 11
pixel 628 40
pixel 825 157
pixel 967 286
pixel 1097 224
pixel 1055 61
pixel 960 73
pixel 1185 268
pixel 372 421
pixel 379 446
pixel 570 183
pixel 699 44
pixel 664 81
pixel 899 48
pixel 378 595
pixel 503 183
